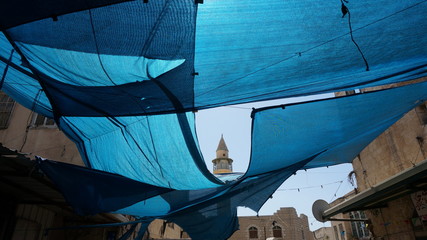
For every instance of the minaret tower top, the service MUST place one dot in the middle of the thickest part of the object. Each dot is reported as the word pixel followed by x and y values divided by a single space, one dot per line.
pixel 222 163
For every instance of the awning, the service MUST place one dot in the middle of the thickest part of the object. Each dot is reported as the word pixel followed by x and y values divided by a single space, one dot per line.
pixel 406 182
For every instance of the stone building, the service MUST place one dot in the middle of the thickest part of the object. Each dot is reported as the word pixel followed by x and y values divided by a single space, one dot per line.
pixel 283 224
pixel 343 229
pixel 324 233
pixel 391 176
pixel 399 148
pixel 30 203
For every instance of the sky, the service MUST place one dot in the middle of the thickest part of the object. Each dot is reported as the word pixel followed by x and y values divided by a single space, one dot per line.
pixel 299 191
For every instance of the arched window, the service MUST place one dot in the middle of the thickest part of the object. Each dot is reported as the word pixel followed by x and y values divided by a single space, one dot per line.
pixel 253 232
pixel 277 232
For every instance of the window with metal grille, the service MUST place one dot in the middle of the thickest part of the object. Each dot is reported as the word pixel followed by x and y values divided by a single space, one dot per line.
pixel 342 232
pixel 6 107
pixel 336 233
pixel 253 232
pixel 359 228
pixel 277 232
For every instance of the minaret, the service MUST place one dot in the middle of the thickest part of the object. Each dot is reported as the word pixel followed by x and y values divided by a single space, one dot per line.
pixel 222 163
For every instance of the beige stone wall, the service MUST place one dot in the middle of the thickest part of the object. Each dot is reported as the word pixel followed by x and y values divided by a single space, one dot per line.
pixel 309 235
pixel 49 143
pixel 324 233
pixel 398 148
pixel 393 222
pixel 293 227
pixel 159 229
pixel 344 225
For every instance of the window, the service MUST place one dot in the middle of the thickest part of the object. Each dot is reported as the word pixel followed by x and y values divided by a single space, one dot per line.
pixel 336 233
pixel 42 121
pixel 253 232
pixel 359 228
pixel 277 232
pixel 342 232
pixel 6 107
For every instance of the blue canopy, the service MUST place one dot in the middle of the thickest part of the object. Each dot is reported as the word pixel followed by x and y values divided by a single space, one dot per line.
pixel 121 79
pixel 135 58
pixel 285 139
pixel 339 128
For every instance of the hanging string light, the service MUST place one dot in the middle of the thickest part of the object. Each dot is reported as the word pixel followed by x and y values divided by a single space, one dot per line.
pixel 316 186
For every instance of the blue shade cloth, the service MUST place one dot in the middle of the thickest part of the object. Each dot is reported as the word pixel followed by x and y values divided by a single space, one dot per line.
pixel 257 50
pixel 194 210
pixel 13 13
pixel 18 81
pixel 126 59
pixel 120 78
pixel 90 191
pixel 96 62
pixel 339 128
pixel 151 148
pixel 161 150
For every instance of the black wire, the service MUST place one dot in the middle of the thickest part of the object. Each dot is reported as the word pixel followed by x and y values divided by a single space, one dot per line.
pixel 351 34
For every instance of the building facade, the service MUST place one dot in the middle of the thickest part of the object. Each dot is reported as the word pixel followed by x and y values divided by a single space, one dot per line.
pixel 392 158
pixel 342 228
pixel 324 233
pixel 400 147
pixel 283 224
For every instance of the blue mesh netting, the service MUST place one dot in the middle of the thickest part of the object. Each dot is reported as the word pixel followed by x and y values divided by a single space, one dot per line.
pixel 194 210
pixel 285 139
pixel 120 79
pixel 14 13
pixel 90 191
pixel 161 150
pixel 97 60
pixel 257 50
pixel 337 128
